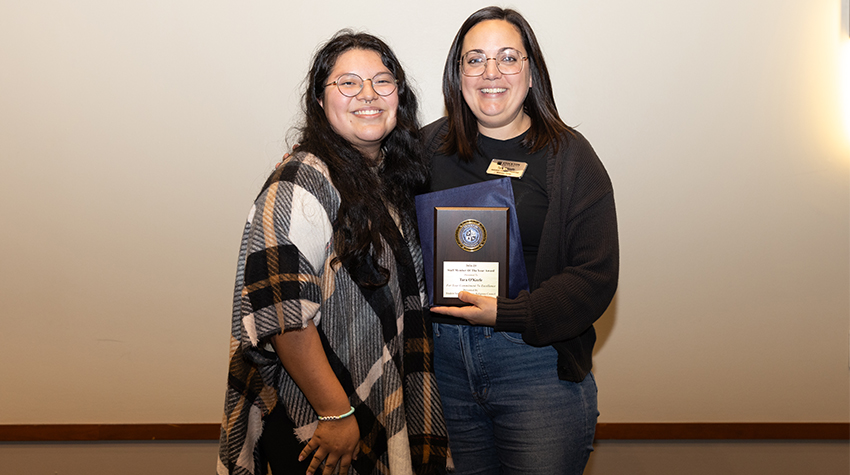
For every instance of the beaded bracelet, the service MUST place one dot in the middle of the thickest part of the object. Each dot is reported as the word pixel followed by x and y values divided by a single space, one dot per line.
pixel 336 418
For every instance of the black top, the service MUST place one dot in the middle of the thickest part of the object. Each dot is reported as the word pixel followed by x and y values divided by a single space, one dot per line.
pixel 529 191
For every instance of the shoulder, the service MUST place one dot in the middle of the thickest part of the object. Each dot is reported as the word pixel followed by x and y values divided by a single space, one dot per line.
pixel 303 170
pixel 435 126
pixel 300 175
pixel 433 135
pixel 577 162
pixel 578 151
pixel 576 144
pixel 434 132
pixel 297 205
pixel 299 168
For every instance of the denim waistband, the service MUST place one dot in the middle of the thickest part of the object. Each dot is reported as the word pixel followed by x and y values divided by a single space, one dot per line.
pixel 440 318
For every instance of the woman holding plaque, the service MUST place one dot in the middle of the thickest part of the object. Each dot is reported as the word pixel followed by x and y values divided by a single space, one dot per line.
pixel 331 359
pixel 514 374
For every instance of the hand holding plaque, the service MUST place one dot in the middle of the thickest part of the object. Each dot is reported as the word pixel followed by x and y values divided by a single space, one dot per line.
pixel 470 252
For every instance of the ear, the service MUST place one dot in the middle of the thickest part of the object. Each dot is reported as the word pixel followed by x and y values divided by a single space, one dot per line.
pixel 321 104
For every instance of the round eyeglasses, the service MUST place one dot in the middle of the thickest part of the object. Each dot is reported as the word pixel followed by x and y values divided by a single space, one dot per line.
pixel 508 61
pixel 350 85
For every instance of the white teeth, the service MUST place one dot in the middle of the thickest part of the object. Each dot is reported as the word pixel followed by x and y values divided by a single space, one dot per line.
pixel 369 112
pixel 493 90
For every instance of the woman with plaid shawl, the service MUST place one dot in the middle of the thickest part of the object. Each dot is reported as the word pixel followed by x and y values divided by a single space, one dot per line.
pixel 330 353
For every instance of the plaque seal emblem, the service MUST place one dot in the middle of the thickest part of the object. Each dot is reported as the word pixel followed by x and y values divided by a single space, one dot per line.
pixel 470 235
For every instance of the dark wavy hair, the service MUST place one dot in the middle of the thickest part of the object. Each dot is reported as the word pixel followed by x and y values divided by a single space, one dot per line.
pixel 547 128
pixel 365 193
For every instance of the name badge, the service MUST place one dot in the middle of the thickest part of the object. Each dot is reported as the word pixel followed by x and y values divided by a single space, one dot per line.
pixel 507 168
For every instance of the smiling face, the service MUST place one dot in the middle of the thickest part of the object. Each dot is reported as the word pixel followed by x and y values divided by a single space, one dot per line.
pixel 367 118
pixel 496 99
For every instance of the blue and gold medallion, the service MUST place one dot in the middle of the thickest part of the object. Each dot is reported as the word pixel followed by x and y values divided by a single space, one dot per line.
pixel 470 235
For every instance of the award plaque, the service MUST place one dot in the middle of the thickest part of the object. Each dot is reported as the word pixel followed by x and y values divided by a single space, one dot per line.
pixel 496 193
pixel 471 246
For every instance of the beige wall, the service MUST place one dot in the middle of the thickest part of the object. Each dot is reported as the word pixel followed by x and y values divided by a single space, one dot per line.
pixel 134 135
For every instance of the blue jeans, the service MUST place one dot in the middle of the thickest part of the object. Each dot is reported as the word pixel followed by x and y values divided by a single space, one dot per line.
pixel 506 410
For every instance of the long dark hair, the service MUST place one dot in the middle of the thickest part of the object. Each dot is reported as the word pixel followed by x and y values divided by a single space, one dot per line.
pixel 547 128
pixel 363 216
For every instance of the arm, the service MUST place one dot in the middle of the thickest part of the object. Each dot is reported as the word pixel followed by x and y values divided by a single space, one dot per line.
pixel 568 303
pixel 579 259
pixel 283 292
pixel 304 358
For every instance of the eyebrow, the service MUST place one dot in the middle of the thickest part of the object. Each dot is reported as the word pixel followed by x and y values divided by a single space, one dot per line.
pixel 478 50
pixel 361 77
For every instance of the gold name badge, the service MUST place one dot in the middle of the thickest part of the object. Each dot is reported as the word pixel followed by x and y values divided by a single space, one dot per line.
pixel 470 235
pixel 507 168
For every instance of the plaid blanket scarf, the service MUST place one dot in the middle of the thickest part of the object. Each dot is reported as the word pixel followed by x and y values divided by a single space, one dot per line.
pixel 376 340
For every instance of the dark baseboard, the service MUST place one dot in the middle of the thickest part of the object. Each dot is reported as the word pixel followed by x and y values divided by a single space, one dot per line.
pixel 106 432
pixel 723 431
pixel 604 431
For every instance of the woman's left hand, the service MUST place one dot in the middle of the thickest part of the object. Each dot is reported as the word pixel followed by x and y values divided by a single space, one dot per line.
pixel 481 312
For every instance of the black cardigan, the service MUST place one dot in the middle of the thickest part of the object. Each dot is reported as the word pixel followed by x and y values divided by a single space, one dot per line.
pixel 578 258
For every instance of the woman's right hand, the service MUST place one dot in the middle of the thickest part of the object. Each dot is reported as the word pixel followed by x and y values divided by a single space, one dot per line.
pixel 334 442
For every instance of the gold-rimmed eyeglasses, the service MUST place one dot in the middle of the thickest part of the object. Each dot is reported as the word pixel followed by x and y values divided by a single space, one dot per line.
pixel 508 61
pixel 350 84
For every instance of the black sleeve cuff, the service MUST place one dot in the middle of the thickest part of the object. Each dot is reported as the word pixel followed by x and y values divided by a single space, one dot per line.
pixel 512 314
